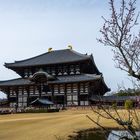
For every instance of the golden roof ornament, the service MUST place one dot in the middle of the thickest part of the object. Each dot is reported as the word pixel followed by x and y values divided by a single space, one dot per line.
pixel 70 47
pixel 50 49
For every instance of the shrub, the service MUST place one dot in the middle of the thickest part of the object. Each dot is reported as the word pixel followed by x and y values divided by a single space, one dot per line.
pixel 128 104
pixel 41 110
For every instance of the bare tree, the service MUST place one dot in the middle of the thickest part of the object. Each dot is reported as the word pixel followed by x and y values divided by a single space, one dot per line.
pixel 128 119
pixel 117 32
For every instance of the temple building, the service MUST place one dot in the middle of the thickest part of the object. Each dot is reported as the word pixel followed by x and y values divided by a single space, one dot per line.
pixel 63 77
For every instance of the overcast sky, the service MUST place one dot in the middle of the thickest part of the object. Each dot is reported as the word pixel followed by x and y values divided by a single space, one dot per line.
pixel 29 27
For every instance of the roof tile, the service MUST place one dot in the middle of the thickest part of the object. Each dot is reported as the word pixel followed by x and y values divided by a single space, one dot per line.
pixel 53 57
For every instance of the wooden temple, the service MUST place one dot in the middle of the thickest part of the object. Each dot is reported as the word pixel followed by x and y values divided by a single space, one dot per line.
pixel 64 77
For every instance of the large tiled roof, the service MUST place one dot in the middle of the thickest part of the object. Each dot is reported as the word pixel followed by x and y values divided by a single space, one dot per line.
pixel 59 79
pixel 53 57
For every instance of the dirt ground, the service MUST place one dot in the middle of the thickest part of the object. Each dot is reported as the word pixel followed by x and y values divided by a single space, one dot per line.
pixel 46 126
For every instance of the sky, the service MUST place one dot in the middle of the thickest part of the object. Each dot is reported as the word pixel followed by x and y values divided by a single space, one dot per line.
pixel 29 27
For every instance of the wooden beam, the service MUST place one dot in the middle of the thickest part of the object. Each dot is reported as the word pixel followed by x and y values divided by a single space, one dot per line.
pixel 78 94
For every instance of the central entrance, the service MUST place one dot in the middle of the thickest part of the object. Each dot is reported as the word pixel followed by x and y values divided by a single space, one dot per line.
pixel 41 79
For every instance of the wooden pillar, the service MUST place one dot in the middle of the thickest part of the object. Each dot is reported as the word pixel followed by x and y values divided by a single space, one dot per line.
pixel 58 89
pixel 68 69
pixel 39 87
pixel 40 91
pixel 53 94
pixel 74 69
pixel 17 95
pixel 72 89
pixel 84 87
pixel 34 88
pixel 62 69
pixel 56 70
pixel 79 94
pixel 65 94
pixel 28 94
pixel 80 67
pixel 8 95
pixel 52 90
pixel 89 93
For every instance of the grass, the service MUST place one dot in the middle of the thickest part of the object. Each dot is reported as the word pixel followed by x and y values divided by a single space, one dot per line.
pixel 47 126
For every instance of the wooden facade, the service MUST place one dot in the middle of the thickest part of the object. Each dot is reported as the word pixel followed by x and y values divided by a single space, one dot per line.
pixel 64 77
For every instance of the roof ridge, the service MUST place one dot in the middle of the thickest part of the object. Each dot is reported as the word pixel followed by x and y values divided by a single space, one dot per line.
pixel 33 57
pixel 51 52
pixel 65 51
pixel 28 58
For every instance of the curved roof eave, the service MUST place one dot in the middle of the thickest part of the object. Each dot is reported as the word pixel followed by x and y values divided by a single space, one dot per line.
pixel 49 58
pixel 59 79
pixel 8 65
pixel 92 59
pixel 107 88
